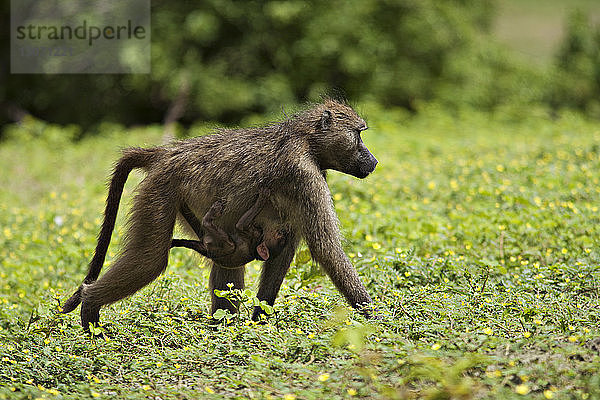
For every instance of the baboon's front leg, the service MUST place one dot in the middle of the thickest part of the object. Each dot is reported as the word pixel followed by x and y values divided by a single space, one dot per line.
pixel 219 278
pixel 273 273
pixel 321 232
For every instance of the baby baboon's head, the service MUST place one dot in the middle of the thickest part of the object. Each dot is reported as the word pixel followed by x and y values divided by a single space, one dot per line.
pixel 337 143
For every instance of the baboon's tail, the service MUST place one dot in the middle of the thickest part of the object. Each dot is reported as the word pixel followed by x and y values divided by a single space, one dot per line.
pixel 132 158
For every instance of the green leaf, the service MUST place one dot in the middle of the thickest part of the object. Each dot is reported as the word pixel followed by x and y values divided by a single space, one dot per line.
pixel 220 314
pixel 266 307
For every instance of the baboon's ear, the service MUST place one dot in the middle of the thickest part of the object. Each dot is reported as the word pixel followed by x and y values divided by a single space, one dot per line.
pixel 263 251
pixel 326 120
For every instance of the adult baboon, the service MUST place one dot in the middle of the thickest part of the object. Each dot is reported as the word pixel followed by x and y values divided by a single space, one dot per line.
pixel 289 158
pixel 248 242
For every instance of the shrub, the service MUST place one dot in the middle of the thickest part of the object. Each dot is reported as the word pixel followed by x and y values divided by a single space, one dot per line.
pixel 225 60
pixel 577 75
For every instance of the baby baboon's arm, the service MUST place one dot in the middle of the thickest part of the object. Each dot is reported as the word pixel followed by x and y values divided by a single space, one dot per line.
pixel 215 235
pixel 246 220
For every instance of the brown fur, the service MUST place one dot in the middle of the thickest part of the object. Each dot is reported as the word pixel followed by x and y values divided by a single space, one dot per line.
pixel 288 158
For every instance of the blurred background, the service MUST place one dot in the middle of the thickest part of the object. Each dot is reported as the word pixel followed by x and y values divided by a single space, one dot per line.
pixel 226 61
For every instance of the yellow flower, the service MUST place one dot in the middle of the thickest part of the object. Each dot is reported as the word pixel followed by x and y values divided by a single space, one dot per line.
pixel 95 394
pixel 436 346
pixel 146 387
pixel 527 334
pixel 488 331
pixel 522 389
pixel 208 390
pixel 573 339
pixel 352 392
pixel 548 394
pixel 289 397
pixel 323 377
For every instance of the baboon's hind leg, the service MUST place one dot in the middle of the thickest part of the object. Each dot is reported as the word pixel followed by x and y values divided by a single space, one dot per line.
pixel 144 256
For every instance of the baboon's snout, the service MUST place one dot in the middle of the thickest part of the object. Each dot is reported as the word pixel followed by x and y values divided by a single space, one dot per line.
pixel 372 163
pixel 367 165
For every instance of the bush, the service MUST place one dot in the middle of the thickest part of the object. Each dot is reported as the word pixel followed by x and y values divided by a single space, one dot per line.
pixel 577 75
pixel 225 60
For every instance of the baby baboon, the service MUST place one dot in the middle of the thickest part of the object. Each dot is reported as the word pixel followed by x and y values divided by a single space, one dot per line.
pixel 289 158
pixel 247 242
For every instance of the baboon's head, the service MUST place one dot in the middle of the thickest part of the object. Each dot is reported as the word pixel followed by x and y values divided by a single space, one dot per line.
pixel 337 142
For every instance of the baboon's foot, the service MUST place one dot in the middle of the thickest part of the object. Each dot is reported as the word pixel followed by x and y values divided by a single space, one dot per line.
pixel 89 314
pixel 259 315
pixel 369 311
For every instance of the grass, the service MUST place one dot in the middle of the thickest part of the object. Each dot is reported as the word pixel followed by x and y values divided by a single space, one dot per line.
pixel 477 236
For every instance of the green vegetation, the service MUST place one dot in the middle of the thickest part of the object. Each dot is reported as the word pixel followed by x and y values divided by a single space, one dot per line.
pixel 535 28
pixel 225 61
pixel 477 235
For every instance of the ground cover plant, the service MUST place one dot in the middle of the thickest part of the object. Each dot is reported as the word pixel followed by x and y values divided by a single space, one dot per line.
pixel 477 236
